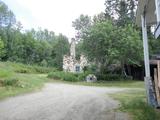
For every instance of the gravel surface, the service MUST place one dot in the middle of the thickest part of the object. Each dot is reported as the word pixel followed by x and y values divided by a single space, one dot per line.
pixel 58 101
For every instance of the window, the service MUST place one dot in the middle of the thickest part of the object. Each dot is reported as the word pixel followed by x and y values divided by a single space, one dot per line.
pixel 77 68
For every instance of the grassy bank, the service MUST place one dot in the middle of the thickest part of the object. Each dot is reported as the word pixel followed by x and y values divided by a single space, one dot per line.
pixel 134 103
pixel 18 78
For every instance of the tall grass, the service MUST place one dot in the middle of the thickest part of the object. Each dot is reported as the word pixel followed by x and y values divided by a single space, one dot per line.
pixel 4 73
pixel 22 68
pixel 13 81
pixel 134 102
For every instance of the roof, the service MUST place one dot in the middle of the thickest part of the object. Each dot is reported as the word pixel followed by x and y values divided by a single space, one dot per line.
pixel 147 6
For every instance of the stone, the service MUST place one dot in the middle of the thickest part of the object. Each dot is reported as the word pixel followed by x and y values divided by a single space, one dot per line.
pixel 70 64
pixel 91 78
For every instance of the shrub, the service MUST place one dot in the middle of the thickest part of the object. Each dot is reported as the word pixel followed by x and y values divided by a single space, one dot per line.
pixel 67 76
pixel 55 75
pixel 70 77
pixel 23 70
pixel 11 82
pixel 112 77
pixel 82 76
pixel 44 63
pixel 39 69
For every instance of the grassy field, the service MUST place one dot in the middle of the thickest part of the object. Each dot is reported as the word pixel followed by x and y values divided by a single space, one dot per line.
pixel 134 103
pixel 18 78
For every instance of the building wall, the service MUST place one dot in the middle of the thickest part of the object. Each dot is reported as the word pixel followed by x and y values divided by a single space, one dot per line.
pixel 70 64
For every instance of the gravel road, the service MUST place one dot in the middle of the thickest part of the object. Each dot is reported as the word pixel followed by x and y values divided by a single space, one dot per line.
pixel 58 101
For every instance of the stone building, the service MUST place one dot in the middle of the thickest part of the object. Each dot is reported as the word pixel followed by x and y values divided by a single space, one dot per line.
pixel 70 64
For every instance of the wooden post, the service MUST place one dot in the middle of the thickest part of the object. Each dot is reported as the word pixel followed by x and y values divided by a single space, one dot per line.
pixel 158 68
pixel 156 86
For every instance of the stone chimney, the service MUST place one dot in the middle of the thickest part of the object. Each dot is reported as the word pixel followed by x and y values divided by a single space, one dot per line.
pixel 72 48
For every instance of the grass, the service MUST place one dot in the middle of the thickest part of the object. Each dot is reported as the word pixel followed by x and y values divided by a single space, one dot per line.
pixel 18 78
pixel 21 68
pixel 28 83
pixel 134 102
pixel 121 84
pixel 14 81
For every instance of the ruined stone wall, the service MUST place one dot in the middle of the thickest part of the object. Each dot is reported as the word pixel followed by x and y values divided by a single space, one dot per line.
pixel 70 63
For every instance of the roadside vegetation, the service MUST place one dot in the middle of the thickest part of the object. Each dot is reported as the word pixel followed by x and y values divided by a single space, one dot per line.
pixel 16 78
pixel 67 76
pixel 79 79
pixel 134 103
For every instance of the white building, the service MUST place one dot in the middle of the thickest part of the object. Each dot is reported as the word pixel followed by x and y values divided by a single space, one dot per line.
pixel 148 14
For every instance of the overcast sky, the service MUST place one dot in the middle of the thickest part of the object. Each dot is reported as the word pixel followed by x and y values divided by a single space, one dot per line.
pixel 55 15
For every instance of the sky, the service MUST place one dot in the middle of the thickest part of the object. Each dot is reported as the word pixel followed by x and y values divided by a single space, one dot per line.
pixel 54 15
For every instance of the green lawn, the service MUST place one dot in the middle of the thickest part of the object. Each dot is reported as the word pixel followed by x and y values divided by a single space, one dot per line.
pixel 123 84
pixel 134 103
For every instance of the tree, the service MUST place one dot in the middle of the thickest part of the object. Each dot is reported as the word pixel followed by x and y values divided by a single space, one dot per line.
pixel 81 24
pixel 123 11
pixel 107 44
pixel 129 46
pixel 7 21
pixel 2 51
pixel 61 48
pixel 99 18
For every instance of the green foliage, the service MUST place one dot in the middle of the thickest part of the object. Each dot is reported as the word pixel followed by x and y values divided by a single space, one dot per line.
pixel 44 63
pixel 112 77
pixel 67 76
pixel 21 68
pixel 107 44
pixel 4 73
pixel 2 51
pixel 41 47
pixel 61 48
pixel 121 11
pixel 14 82
pixel 7 69
pixel 81 24
pixel 134 103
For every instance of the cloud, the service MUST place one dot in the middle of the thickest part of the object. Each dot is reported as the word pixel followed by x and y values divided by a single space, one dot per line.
pixel 55 15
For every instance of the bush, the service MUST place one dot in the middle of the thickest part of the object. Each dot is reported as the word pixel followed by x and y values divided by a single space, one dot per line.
pixel 70 77
pixel 67 76
pixel 112 77
pixel 44 63
pixel 23 70
pixel 11 82
pixel 55 75
pixel 39 69
pixel 82 76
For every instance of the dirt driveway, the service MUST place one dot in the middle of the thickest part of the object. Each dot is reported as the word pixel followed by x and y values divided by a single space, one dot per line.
pixel 58 101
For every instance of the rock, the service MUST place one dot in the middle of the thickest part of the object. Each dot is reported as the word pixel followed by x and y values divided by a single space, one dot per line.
pixel 91 78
